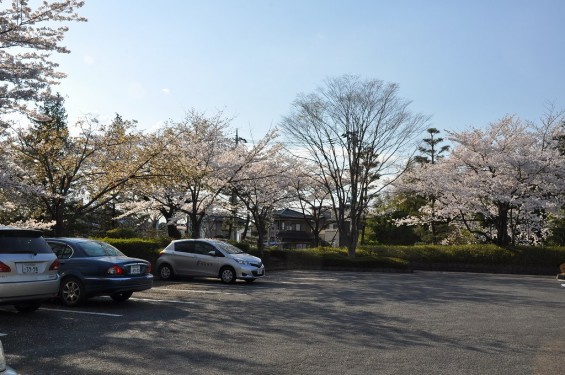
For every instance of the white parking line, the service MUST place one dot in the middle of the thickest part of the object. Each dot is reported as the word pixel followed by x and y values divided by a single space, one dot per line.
pixel 82 312
pixel 311 279
pixel 3 334
pixel 162 300
pixel 192 291
pixel 293 283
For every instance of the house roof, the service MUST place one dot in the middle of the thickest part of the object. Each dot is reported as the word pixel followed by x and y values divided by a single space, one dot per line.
pixel 289 214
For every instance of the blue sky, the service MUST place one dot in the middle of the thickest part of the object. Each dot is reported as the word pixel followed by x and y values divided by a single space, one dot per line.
pixel 465 63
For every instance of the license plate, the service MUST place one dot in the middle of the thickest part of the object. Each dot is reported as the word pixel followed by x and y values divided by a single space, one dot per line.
pixel 136 268
pixel 259 272
pixel 30 268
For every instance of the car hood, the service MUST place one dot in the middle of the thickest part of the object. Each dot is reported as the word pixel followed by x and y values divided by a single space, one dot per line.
pixel 247 257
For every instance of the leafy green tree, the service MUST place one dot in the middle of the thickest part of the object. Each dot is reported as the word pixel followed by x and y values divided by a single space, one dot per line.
pixel 382 226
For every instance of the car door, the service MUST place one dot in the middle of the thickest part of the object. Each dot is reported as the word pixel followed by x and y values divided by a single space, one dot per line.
pixel 71 262
pixel 185 258
pixel 206 264
pixel 63 252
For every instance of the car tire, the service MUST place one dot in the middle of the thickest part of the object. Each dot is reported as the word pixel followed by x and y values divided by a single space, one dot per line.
pixel 120 297
pixel 72 292
pixel 166 272
pixel 227 275
pixel 27 307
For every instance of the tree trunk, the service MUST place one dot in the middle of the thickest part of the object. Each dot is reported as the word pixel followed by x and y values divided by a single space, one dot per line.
pixel 59 229
pixel 173 231
pixel 246 227
pixel 195 225
pixel 502 226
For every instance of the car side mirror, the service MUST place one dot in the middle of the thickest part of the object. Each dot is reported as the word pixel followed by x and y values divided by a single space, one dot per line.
pixel 212 253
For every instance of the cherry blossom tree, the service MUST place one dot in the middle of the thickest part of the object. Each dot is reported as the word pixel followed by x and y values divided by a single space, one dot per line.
pixel 75 175
pixel 198 164
pixel 28 37
pixel 313 198
pixel 191 169
pixel 356 131
pixel 500 183
pixel 264 185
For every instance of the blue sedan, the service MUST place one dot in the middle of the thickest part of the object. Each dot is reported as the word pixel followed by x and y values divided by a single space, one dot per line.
pixel 91 268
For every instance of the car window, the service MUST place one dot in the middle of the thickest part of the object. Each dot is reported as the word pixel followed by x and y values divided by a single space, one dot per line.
pixel 13 242
pixel 99 249
pixel 61 250
pixel 203 248
pixel 184 246
pixel 228 248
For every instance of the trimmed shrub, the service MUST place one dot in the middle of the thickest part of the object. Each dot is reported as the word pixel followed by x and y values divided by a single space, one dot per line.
pixel 144 248
pixel 121 233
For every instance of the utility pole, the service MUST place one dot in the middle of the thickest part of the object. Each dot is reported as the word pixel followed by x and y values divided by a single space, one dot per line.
pixel 232 231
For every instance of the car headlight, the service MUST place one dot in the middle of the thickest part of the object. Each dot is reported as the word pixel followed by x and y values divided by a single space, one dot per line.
pixel 241 261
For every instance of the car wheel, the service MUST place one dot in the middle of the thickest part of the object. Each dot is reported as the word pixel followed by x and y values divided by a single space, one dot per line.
pixel 72 292
pixel 227 274
pixel 27 307
pixel 250 280
pixel 120 297
pixel 166 272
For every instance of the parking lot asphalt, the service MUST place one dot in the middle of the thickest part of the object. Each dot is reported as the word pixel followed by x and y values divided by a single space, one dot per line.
pixel 303 322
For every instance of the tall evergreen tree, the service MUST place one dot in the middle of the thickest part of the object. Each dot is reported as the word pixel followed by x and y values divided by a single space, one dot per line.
pixel 431 152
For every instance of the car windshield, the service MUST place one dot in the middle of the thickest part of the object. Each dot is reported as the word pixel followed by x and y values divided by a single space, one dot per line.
pixel 14 242
pixel 100 249
pixel 228 248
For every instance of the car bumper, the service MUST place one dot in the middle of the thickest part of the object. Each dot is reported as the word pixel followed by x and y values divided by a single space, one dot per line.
pixel 110 285
pixel 249 272
pixel 30 291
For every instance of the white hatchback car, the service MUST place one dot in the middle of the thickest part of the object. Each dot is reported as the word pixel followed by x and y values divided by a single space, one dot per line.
pixel 28 269
pixel 208 258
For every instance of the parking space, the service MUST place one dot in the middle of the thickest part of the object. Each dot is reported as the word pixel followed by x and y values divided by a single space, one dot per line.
pixel 302 322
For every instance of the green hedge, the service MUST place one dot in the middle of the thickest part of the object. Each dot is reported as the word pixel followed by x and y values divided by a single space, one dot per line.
pixel 329 257
pixel 372 257
pixel 470 254
pixel 144 248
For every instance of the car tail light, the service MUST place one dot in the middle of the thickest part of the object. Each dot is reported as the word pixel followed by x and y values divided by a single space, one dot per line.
pixel 4 267
pixel 148 268
pixel 54 265
pixel 115 270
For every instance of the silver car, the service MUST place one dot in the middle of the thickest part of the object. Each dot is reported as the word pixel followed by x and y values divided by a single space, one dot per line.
pixel 28 269
pixel 208 258
pixel 4 368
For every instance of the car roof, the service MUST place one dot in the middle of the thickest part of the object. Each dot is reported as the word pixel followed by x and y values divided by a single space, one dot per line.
pixel 69 239
pixel 197 239
pixel 28 231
